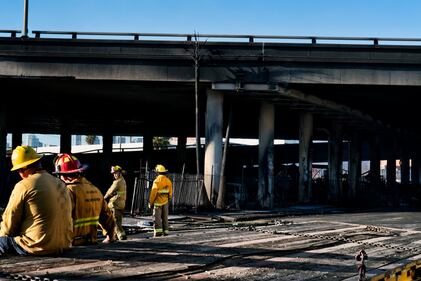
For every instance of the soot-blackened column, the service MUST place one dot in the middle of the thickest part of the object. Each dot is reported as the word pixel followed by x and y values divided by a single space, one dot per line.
pixel 265 194
pixel 3 141
pixel 335 163
pixel 213 150
pixel 354 174
pixel 305 135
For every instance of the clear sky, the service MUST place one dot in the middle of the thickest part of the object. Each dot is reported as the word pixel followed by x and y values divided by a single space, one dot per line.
pixel 381 18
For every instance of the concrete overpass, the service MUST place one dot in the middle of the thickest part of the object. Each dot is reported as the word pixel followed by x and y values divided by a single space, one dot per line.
pixel 304 88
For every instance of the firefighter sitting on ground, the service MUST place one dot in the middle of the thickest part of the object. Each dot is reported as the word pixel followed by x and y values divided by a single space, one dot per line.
pixel 38 216
pixel 117 195
pixel 160 195
pixel 89 208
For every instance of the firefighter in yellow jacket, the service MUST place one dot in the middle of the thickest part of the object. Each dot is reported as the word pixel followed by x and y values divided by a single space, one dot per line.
pixel 89 208
pixel 38 216
pixel 160 195
pixel 117 195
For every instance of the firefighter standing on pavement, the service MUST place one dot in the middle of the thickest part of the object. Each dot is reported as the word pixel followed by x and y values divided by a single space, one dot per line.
pixel 117 195
pixel 89 208
pixel 38 216
pixel 160 195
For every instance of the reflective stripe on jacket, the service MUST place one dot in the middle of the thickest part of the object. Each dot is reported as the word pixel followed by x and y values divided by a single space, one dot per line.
pixel 38 215
pixel 117 193
pixel 161 191
pixel 89 211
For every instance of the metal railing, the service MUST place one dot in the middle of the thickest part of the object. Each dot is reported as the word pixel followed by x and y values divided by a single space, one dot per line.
pixel 11 32
pixel 250 38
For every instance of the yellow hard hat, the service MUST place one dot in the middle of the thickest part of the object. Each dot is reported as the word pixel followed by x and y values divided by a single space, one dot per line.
pixel 160 169
pixel 23 156
pixel 115 169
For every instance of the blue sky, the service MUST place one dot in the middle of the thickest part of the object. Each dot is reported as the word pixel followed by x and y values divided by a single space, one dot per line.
pixel 381 18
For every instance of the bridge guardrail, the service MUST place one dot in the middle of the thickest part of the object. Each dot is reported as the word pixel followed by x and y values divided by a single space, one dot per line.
pixel 11 31
pixel 250 38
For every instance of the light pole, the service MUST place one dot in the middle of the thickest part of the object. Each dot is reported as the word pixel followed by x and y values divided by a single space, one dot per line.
pixel 25 19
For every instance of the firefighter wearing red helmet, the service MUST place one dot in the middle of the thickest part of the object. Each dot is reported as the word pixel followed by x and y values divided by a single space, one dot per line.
pixel 89 209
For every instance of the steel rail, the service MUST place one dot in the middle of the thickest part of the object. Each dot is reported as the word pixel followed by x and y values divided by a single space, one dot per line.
pixel 249 37
pixel 11 31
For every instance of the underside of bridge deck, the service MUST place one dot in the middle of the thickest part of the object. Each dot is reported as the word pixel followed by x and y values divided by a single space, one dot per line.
pixel 168 109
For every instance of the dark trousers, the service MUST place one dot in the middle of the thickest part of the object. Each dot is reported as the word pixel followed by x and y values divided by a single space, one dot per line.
pixel 160 214
pixel 8 245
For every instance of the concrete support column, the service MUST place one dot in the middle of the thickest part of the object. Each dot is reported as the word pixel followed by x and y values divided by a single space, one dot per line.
pixel 375 160
pixel 335 164
pixel 391 163
pixel 3 165
pixel 16 139
pixel 404 162
pixel 415 171
pixel 65 137
pixel 354 173
pixel 181 150
pixel 147 146
pixel 305 138
pixel 65 142
pixel 213 150
pixel 415 168
pixel 107 150
pixel 265 194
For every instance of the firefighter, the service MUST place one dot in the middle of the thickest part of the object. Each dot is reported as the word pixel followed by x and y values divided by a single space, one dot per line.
pixel 38 216
pixel 89 208
pixel 160 195
pixel 117 195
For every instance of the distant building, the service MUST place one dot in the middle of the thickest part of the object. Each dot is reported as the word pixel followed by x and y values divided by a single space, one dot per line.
pixel 119 139
pixel 78 140
pixel 136 139
pixel 33 141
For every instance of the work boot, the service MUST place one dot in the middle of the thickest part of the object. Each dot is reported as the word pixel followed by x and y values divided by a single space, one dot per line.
pixel 123 237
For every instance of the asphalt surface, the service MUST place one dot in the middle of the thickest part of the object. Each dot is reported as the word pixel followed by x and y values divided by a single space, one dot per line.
pixel 302 244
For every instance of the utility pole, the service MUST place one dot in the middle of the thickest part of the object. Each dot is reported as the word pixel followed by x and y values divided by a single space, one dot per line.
pixel 25 19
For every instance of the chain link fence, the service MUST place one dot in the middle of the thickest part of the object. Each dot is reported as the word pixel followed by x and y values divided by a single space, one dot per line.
pixel 187 192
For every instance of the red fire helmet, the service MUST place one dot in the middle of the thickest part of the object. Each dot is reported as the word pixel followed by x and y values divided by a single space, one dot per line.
pixel 66 163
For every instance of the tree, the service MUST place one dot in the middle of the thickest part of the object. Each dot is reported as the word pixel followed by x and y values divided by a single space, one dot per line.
pixel 90 139
pixel 160 142
pixel 197 56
